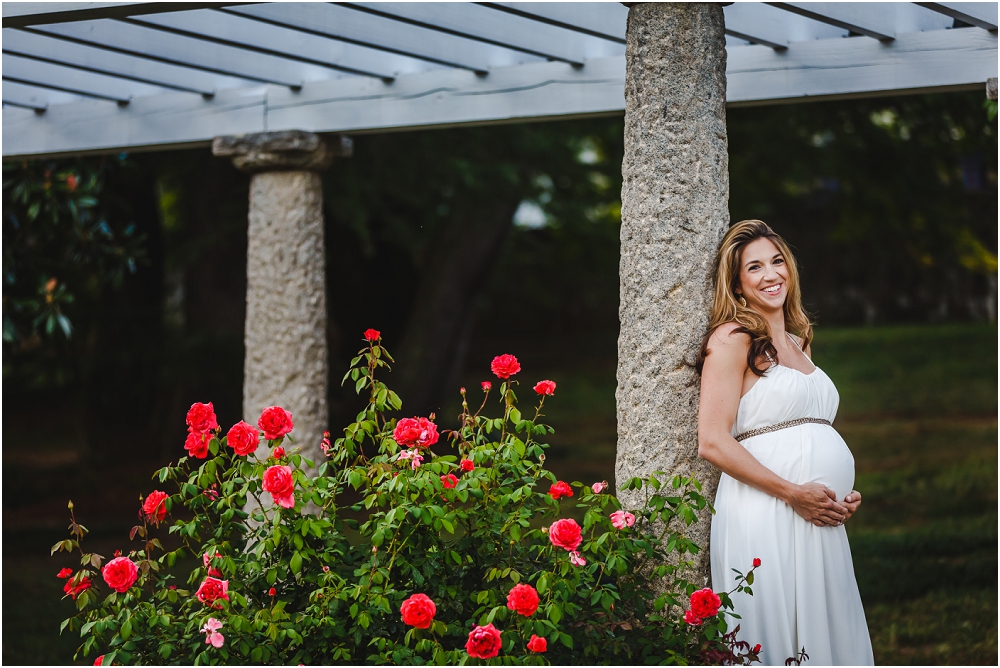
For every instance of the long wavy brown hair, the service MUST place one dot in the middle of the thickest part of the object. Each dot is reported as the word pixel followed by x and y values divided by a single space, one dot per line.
pixel 727 308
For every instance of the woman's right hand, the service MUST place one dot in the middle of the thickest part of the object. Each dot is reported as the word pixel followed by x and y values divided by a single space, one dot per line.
pixel 818 504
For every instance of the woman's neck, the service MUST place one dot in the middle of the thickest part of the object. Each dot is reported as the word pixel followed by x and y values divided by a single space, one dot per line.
pixel 775 323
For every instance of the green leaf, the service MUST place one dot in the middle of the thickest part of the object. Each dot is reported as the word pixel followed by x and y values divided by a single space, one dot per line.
pixel 296 563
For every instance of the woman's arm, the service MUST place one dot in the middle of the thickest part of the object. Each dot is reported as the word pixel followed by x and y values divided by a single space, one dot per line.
pixel 721 385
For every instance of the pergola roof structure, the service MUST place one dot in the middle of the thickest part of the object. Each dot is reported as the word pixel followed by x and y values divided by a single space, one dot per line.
pixel 102 76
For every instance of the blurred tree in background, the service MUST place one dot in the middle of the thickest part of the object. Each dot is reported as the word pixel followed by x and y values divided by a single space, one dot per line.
pixel 891 205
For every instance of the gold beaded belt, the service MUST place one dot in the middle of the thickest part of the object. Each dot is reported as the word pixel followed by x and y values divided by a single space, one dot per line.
pixel 781 425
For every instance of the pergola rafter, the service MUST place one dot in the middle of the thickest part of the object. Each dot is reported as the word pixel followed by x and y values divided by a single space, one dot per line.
pixel 125 76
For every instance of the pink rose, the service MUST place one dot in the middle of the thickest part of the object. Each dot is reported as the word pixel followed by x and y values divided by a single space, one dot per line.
pixel 372 335
pixel 484 642
pixel 505 366
pixel 545 387
pixel 197 444
pixel 486 385
pixel 576 559
pixel 599 487
pixel 155 507
pixel 621 519
pixel 566 533
pixel 559 490
pixel 243 438
pixel 418 611
pixel 523 599
pixel 120 574
pixel 211 590
pixel 201 418
pixel 278 453
pixel 691 618
pixel 415 432
pixel 275 422
pixel 278 481
pixel 211 631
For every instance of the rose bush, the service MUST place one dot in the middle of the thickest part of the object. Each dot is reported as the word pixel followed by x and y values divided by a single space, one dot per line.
pixel 395 551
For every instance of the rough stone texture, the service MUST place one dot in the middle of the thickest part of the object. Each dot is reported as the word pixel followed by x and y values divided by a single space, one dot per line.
pixel 285 334
pixel 991 88
pixel 675 196
pixel 286 150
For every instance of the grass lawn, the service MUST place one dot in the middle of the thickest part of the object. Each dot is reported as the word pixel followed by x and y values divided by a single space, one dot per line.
pixel 918 409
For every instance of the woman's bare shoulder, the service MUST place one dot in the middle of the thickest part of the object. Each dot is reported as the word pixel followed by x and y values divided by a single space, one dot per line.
pixel 727 337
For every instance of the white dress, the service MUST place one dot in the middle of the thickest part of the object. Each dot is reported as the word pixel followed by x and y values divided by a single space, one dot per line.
pixel 804 593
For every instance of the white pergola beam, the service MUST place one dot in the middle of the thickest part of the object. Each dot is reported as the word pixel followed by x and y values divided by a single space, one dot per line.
pixel 981 14
pixel 872 19
pixel 821 69
pixel 498 28
pixel 23 14
pixel 376 32
pixel 600 19
pixel 39 47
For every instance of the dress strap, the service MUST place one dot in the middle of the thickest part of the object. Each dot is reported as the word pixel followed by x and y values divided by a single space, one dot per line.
pixel 792 339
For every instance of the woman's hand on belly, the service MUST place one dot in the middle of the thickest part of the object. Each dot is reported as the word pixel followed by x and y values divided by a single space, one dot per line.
pixel 853 502
pixel 818 504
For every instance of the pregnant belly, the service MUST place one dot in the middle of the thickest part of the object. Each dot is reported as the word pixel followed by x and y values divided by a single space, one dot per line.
pixel 807 453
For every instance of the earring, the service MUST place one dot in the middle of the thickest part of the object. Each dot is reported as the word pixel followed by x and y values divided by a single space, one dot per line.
pixel 743 301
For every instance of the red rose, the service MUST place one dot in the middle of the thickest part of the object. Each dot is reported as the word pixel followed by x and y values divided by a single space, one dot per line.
pixel 449 481
pixel 418 611
pixel 120 574
pixel 484 642
pixel 197 445
pixel 279 452
pixel 523 599
pixel 155 507
pixel 537 644
pixel 756 562
pixel 505 366
pixel 71 183
pixel 566 533
pixel 546 387
pixel 415 432
pixel 372 335
pixel 99 661
pixel 278 481
pixel 756 649
pixel 705 603
pixel 243 438
pixel 486 385
pixel 691 618
pixel 467 465
pixel 211 590
pixel 271 592
pixel 75 588
pixel 65 573
pixel 559 490
pixel 201 418
pixel 275 422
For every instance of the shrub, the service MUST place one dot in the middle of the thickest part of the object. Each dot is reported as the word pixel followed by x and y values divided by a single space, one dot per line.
pixel 395 553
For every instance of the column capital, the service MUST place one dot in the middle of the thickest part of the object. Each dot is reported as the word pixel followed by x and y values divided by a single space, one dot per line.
pixel 281 151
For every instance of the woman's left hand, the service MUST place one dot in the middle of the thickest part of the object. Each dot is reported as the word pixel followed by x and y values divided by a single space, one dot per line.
pixel 853 502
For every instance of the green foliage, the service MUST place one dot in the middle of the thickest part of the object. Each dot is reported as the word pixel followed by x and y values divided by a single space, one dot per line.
pixel 56 243
pixel 323 582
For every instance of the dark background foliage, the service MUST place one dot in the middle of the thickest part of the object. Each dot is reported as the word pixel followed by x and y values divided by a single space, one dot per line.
pixel 890 205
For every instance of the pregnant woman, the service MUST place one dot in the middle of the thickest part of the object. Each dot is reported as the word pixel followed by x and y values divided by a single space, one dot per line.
pixel 765 421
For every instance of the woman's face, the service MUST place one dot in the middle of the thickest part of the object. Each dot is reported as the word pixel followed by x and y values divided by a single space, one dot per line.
pixel 763 276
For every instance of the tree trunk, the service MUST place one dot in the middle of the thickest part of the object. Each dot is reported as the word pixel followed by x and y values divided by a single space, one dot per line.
pixel 674 212
pixel 441 320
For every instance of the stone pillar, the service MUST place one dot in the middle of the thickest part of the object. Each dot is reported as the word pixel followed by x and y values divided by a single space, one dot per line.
pixel 675 196
pixel 285 335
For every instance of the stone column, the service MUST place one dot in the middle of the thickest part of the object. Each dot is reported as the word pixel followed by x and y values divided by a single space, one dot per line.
pixel 285 334
pixel 675 196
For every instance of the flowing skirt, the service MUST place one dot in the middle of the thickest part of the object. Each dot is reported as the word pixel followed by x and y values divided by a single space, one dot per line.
pixel 805 594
